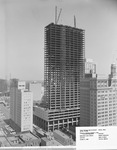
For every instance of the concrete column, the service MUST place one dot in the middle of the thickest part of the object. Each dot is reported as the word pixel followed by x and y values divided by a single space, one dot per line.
pixel 68 123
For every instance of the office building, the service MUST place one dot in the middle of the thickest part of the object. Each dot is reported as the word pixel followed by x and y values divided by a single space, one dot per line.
pixel 98 103
pixel 90 66
pixel 21 106
pixel 63 69
pixel 113 70
pixel 3 85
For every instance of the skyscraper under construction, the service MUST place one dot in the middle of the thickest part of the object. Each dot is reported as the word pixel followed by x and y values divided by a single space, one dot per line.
pixel 63 69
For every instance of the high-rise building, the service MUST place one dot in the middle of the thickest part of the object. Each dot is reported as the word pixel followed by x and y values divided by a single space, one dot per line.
pixel 21 106
pixel 90 66
pixel 98 101
pixel 63 68
pixel 113 70
pixel 3 85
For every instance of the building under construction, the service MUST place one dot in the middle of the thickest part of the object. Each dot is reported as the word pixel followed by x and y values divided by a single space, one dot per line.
pixel 63 68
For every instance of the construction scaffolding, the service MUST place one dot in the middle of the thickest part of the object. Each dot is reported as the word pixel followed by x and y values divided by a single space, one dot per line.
pixel 63 68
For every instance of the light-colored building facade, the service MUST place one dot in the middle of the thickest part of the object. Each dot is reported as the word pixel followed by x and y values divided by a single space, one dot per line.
pixel 98 103
pixel 90 66
pixel 113 70
pixel 21 106
pixel 26 110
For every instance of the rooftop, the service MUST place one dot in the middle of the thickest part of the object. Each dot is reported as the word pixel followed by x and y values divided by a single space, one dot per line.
pixel 61 134
pixel 51 111
pixel 2 132
pixel 40 131
pixel 95 76
pixel 51 142
pixel 61 25
pixel 14 140
pixel 66 132
pixel 89 60
pixel 4 142
pixel 55 143
pixel 27 136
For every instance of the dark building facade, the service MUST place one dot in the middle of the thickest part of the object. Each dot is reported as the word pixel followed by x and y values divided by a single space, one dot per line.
pixel 3 86
pixel 63 69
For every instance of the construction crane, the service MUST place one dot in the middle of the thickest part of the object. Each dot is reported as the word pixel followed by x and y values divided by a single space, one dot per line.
pixel 57 17
pixel 74 21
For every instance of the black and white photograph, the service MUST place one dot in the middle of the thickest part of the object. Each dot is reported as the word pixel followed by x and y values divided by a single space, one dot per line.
pixel 58 74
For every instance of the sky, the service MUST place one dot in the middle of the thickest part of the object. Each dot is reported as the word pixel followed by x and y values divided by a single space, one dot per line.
pixel 22 25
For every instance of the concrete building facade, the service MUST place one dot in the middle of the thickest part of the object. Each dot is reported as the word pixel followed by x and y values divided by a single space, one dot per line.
pixel 21 106
pixel 98 103
pixel 113 70
pixel 90 66
pixel 63 68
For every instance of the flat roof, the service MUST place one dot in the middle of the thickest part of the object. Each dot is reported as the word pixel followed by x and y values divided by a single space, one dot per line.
pixel 55 143
pixel 61 134
pixel 52 142
pixel 41 108
pixel 53 111
pixel 61 25
pixel 2 132
pixel 14 140
pixel 40 131
pixel 27 136
pixel 4 141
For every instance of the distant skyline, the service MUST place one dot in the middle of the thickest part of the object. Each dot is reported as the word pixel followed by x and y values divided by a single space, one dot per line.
pixel 22 25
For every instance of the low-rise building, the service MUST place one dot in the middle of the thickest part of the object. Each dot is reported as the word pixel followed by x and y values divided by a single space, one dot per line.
pixel 62 138
pixel 30 139
pixel 15 141
pixel 54 119
pixel 72 131
pixel 4 142
pixel 40 133
pixel 49 142
pixel 19 140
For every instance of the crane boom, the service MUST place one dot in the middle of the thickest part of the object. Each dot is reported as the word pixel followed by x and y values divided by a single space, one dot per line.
pixel 74 21
pixel 59 16
pixel 56 15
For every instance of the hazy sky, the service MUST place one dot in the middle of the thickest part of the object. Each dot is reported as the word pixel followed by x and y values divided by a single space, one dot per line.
pixel 22 25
